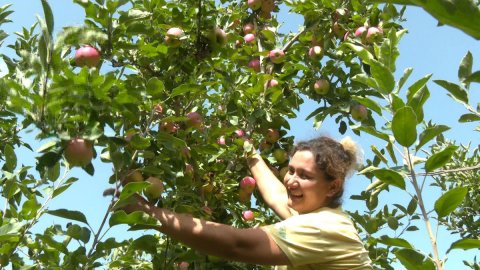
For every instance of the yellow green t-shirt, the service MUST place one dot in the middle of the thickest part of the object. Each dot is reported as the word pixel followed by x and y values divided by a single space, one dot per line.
pixel 322 240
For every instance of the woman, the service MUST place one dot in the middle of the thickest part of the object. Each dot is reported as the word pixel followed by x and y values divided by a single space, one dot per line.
pixel 315 232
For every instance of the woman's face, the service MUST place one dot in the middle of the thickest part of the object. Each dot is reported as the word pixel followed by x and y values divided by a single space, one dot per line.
pixel 306 186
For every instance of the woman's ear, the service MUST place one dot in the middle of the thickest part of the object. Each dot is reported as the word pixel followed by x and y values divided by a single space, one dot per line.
pixel 334 187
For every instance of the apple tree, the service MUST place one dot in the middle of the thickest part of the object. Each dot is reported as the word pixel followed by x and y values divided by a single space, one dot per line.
pixel 165 93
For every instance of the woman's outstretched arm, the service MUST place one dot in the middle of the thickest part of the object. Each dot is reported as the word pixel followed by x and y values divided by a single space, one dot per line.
pixel 251 245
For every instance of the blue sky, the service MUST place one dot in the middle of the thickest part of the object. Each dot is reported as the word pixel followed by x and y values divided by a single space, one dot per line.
pixel 427 48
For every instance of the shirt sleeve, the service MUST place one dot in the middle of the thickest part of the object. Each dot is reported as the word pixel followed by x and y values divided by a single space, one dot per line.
pixel 311 239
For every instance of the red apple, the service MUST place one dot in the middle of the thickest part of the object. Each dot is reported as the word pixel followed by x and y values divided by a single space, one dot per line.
pixel 78 152
pixel 272 83
pixel 169 127
pixel 280 155
pixel 360 31
pixel 315 52
pixel 321 87
pixel 254 4
pixel 194 120
pixel 268 5
pixel 341 14
pixel 249 38
pixel 130 134
pixel 185 152
pixel 264 146
pixel 248 28
pixel 173 36
pixel 155 189
pixel 244 196
pixel 272 135
pixel 359 112
pixel 248 184
pixel 189 170
pixel 132 176
pixel 277 56
pixel 374 34
pixel 265 14
pixel 158 109
pixel 254 64
pixel 87 56
pixel 239 133
pixel 221 140
pixel 338 30
pixel 248 215
pixel 183 265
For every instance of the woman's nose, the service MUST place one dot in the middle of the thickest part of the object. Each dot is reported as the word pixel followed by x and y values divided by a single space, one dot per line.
pixel 291 181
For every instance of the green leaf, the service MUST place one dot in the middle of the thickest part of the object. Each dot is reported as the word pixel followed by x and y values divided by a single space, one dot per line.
pixel 455 90
pixel 64 187
pixel 53 172
pixel 391 152
pixel 69 214
pixel 48 16
pixel 132 188
pixel 140 143
pixel 412 206
pixel 367 80
pixel 155 87
pixel 406 74
pixel 413 260
pixel 383 76
pixel 147 243
pixel 465 68
pixel 449 201
pixel 185 88
pixel 10 158
pixel 79 233
pixel 397 102
pixel 372 131
pixel 47 146
pixel 474 77
pixel 416 86
pixel 439 159
pixel 371 104
pixel 404 124
pixel 364 54
pixel 469 117
pixel 378 154
pixel 390 177
pixel 417 101
pixel 396 242
pixel 393 224
pixel 135 218
pixel 465 244
pixel 10 231
pixel 430 133
pixel 464 15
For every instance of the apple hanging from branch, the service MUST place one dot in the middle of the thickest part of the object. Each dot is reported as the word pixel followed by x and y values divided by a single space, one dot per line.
pixel 87 56
pixel 78 152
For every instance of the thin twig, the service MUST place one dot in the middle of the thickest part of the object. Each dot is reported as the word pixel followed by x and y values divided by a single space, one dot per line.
pixel 426 219
pixel 441 172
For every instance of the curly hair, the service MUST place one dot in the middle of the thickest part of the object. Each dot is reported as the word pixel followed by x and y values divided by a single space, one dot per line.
pixel 336 159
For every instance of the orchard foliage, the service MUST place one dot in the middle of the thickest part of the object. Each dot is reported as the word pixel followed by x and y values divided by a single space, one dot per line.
pixel 178 88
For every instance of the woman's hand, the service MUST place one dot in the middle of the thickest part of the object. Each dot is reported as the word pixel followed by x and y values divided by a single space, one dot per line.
pixel 136 203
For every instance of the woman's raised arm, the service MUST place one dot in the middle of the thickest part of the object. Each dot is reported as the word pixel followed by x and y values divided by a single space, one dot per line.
pixel 273 191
